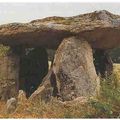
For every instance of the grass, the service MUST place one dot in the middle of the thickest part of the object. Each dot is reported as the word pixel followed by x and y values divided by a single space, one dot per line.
pixel 107 105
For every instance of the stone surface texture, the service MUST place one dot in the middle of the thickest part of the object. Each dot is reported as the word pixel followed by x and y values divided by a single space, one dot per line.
pixel 9 76
pixel 74 69
pixel 100 28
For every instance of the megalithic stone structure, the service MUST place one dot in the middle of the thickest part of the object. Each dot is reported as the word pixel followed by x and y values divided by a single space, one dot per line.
pixel 73 38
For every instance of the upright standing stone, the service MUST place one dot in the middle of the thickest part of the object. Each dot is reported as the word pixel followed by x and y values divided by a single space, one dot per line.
pixel 74 69
pixel 9 75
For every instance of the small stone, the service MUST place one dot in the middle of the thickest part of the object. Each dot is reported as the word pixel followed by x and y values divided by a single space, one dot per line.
pixel 21 96
pixel 11 105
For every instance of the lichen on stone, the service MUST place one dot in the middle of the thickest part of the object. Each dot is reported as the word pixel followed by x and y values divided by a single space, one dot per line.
pixel 4 50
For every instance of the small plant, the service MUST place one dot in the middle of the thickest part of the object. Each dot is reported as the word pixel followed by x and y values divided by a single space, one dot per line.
pixel 102 109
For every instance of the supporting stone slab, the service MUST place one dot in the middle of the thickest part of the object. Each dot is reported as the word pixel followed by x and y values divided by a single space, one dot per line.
pixel 74 69
pixel 9 75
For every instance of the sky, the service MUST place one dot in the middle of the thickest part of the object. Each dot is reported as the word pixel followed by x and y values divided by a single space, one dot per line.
pixel 25 12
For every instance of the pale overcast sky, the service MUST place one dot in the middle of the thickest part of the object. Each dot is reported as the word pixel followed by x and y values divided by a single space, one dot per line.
pixel 25 12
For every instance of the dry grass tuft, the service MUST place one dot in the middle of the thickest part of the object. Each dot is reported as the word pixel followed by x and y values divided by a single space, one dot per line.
pixel 107 105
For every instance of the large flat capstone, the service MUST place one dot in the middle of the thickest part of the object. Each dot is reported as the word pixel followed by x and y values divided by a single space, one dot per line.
pixel 100 28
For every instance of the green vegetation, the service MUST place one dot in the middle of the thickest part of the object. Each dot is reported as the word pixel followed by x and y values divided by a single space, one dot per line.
pixel 106 105
pixel 4 50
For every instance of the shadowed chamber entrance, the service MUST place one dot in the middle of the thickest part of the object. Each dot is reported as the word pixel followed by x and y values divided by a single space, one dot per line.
pixel 103 63
pixel 33 68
